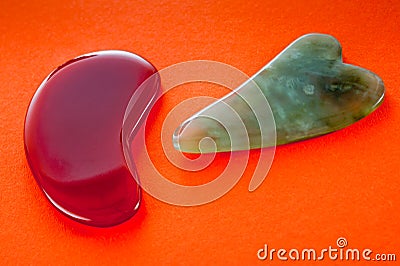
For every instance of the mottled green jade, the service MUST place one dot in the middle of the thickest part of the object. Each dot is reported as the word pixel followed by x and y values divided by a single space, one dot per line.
pixel 310 92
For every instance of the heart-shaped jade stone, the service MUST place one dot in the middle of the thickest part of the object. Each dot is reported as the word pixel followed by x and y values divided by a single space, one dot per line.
pixel 73 136
pixel 310 92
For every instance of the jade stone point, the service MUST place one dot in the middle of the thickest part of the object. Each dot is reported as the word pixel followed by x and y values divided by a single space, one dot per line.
pixel 309 89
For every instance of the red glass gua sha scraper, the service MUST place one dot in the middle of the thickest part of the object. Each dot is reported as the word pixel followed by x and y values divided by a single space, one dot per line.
pixel 73 135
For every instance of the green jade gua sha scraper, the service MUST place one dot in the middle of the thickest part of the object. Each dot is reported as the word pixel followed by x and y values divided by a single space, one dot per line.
pixel 309 89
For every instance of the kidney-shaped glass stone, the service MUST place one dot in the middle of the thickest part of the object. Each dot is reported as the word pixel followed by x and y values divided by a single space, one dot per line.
pixel 73 136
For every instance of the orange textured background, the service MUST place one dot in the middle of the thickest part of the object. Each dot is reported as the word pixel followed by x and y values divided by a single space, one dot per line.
pixel 343 184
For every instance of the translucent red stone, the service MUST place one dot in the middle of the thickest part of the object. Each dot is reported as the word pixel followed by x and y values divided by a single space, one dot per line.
pixel 73 136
